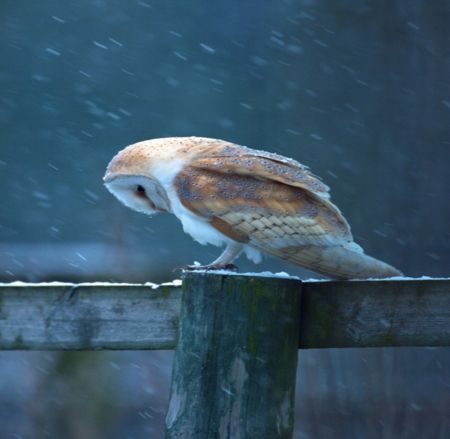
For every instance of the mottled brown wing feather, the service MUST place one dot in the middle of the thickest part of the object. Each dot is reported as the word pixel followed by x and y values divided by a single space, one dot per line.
pixel 267 167
pixel 289 222
pixel 265 213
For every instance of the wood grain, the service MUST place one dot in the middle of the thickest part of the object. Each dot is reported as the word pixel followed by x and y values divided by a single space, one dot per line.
pixel 375 313
pixel 334 315
pixel 236 360
pixel 88 317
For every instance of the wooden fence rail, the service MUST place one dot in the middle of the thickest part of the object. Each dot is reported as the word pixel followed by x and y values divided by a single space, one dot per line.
pixel 122 316
pixel 235 336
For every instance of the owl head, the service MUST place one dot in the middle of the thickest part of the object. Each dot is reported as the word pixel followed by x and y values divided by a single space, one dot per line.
pixel 130 179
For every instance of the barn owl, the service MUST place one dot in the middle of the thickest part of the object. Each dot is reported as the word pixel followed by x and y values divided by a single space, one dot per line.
pixel 243 199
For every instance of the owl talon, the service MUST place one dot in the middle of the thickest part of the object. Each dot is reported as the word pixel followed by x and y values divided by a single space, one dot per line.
pixel 230 267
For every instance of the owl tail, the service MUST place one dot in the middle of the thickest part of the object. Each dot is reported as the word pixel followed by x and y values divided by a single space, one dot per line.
pixel 341 262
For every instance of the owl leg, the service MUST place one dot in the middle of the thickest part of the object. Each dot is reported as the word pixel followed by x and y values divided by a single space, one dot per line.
pixel 224 261
pixel 232 250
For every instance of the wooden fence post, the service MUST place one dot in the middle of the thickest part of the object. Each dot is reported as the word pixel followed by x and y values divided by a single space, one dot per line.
pixel 236 358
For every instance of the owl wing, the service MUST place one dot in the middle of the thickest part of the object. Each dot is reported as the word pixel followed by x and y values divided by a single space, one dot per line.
pixel 268 204
pixel 278 211
pixel 263 165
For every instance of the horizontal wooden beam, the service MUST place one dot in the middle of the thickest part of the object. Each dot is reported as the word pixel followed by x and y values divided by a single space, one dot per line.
pixel 375 313
pixel 96 316
pixel 120 316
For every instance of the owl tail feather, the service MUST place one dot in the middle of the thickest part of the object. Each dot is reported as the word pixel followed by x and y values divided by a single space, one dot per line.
pixel 340 262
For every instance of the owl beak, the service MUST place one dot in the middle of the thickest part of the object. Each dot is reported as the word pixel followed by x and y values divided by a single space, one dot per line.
pixel 108 177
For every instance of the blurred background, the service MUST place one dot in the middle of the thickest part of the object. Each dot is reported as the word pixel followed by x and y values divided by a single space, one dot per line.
pixel 357 90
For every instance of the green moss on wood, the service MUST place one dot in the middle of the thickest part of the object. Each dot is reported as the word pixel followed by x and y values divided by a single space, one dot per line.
pixel 323 318
pixel 387 340
pixel 236 357
pixel 19 343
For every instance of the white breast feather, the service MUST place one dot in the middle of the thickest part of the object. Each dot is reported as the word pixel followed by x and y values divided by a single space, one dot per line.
pixel 197 227
pixel 200 230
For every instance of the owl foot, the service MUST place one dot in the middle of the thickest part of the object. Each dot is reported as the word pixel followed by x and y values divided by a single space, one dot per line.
pixel 211 267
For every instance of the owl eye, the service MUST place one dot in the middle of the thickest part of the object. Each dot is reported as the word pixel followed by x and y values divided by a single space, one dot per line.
pixel 140 191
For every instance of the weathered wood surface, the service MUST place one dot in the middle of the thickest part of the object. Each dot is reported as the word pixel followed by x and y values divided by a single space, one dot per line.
pixel 334 314
pixel 89 316
pixel 236 359
pixel 379 313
